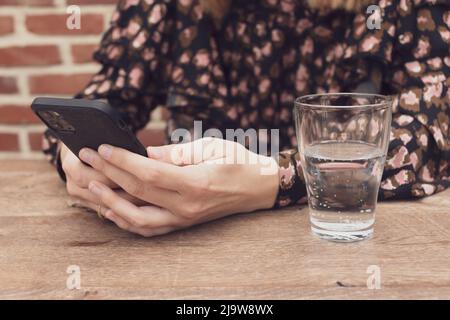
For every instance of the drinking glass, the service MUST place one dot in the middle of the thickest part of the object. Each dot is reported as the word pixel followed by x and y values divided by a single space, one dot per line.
pixel 343 140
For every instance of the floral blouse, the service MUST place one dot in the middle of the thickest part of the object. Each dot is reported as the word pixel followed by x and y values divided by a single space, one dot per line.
pixel 246 72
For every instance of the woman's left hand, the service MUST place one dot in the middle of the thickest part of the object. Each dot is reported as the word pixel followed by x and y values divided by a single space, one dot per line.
pixel 183 184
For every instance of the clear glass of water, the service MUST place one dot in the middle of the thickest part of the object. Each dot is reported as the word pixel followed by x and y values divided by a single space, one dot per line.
pixel 343 140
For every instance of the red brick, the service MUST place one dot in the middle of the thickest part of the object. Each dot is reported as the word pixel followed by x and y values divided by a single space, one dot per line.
pixel 33 55
pixel 82 53
pixel 14 114
pixel 33 3
pixel 6 25
pixel 55 24
pixel 152 137
pixel 91 2
pixel 35 140
pixel 58 83
pixel 9 142
pixel 8 85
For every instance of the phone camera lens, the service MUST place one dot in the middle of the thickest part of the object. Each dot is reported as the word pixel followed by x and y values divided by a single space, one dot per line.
pixel 46 115
pixel 56 121
pixel 69 128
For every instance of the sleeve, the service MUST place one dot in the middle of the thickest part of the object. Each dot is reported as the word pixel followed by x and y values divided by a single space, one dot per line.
pixel 292 186
pixel 412 49
pixel 132 57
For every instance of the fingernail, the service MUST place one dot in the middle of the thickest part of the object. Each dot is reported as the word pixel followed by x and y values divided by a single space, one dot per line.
pixel 86 155
pixel 95 188
pixel 105 151
pixel 155 153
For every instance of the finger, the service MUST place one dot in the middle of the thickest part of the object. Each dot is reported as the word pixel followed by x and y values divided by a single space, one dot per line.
pixel 74 190
pixel 83 204
pixel 92 174
pixel 131 198
pixel 98 209
pixel 131 213
pixel 162 153
pixel 120 222
pixel 81 174
pixel 123 224
pixel 160 174
pixel 128 182
pixel 85 175
pixel 88 197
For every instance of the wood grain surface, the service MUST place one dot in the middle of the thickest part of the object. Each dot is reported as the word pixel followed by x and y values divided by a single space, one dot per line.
pixel 264 255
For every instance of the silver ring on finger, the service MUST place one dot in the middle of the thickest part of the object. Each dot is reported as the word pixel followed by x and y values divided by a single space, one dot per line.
pixel 100 211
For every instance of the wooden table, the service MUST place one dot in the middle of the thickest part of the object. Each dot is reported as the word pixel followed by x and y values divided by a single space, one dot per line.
pixel 266 255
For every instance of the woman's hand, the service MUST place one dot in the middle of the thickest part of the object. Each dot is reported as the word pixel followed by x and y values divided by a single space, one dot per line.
pixel 185 184
pixel 78 176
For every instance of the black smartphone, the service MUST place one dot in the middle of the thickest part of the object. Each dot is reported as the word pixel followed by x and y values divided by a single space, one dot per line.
pixel 80 123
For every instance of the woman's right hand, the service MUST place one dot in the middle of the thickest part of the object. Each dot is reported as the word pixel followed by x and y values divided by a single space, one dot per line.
pixel 78 177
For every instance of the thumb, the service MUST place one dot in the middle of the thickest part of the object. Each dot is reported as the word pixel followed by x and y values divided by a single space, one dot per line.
pixel 186 153
pixel 176 154
pixel 161 153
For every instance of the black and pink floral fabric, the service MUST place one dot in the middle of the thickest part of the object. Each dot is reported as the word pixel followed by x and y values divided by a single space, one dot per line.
pixel 246 71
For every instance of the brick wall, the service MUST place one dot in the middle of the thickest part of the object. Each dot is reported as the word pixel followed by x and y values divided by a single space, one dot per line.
pixel 39 56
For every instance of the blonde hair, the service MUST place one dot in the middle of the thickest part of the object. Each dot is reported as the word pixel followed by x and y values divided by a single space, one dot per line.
pixel 218 8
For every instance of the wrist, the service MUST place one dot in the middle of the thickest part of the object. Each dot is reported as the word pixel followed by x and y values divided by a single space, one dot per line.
pixel 269 182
